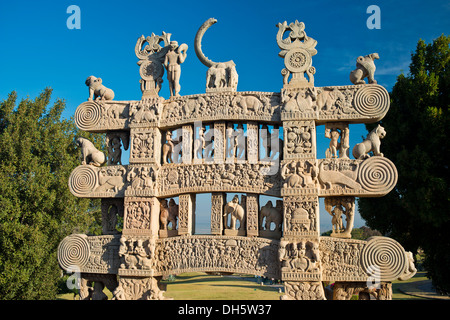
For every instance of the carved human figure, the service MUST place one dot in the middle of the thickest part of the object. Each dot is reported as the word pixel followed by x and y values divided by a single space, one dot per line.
pixel 199 144
pixel 97 91
pixel 168 148
pixel 174 58
pixel 115 151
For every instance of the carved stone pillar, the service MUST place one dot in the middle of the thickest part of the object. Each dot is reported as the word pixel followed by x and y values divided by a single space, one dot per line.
pixel 252 142
pixel 252 209
pixel 187 141
pixel 186 207
pixel 219 142
pixel 217 203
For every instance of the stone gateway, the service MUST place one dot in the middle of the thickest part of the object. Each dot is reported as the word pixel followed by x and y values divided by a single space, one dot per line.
pixel 225 142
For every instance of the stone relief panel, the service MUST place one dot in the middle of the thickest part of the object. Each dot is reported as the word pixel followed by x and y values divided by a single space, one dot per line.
pixel 379 258
pixel 300 260
pixel 301 216
pixel 375 176
pixel 145 145
pixel 298 290
pixel 99 116
pixel 299 177
pixel 141 180
pixel 140 215
pixel 218 253
pixel 145 112
pixel 300 140
pixel 88 181
pixel 138 288
pixel 356 104
pixel 89 254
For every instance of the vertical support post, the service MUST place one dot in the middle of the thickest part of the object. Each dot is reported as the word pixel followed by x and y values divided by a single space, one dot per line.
pixel 252 142
pixel 252 211
pixel 219 142
pixel 217 203
pixel 186 208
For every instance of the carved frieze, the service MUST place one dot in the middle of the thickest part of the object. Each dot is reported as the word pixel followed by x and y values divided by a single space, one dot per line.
pixel 258 256
pixel 217 177
pixel 355 104
pixel 262 106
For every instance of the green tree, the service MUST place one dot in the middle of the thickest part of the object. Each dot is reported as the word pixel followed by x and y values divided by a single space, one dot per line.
pixel 416 212
pixel 37 210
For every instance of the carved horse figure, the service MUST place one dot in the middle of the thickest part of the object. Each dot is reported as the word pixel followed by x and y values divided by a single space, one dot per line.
pixel 237 213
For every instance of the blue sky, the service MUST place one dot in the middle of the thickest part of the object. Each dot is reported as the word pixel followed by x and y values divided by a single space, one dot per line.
pixel 37 50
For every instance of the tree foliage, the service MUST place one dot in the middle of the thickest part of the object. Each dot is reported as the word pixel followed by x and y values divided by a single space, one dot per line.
pixel 37 210
pixel 416 212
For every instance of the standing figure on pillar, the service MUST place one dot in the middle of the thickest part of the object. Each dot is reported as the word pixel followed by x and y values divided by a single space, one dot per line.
pixel 174 58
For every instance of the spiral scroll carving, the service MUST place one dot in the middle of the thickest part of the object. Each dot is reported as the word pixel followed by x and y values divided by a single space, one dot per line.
pixel 377 175
pixel 73 251
pixel 83 180
pixel 88 115
pixel 383 258
pixel 372 101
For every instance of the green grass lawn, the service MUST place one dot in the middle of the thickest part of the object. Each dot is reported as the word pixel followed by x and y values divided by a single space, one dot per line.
pixel 201 286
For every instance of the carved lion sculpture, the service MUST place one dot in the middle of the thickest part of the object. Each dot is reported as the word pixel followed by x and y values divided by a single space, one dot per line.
pixel 371 143
pixel 89 153
pixel 97 91
pixel 365 68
